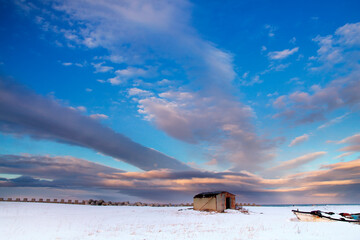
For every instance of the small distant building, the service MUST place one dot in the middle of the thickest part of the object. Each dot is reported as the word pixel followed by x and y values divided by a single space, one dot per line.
pixel 214 201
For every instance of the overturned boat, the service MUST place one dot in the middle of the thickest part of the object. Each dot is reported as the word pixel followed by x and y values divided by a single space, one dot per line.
pixel 320 216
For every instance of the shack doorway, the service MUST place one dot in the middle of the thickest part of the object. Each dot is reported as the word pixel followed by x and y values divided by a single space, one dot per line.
pixel 228 203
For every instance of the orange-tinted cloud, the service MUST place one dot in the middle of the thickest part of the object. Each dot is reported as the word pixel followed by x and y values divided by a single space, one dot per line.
pixel 338 182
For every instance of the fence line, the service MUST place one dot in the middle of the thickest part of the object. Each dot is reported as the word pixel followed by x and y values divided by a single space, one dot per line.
pixel 41 200
pixel 104 203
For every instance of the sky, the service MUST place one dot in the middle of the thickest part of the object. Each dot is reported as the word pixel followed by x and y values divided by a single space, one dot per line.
pixel 156 101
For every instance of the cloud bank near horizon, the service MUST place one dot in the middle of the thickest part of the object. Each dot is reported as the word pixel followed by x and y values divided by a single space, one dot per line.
pixel 332 183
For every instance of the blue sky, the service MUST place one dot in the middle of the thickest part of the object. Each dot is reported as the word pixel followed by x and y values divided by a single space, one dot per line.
pixel 157 101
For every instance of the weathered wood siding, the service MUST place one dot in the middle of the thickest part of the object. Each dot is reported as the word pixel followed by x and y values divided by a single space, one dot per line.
pixel 214 203
pixel 205 204
pixel 221 201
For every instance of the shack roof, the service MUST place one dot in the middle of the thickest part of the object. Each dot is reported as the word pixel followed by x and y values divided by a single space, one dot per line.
pixel 210 194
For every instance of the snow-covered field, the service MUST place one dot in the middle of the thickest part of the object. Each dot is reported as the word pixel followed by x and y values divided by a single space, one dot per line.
pixel 59 221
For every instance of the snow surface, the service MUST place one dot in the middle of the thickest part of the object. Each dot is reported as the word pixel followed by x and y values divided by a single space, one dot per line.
pixel 61 221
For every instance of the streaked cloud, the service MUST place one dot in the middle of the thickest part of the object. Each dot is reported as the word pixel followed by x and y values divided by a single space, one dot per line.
pixel 182 115
pixel 101 68
pixel 295 80
pixel 352 148
pixel 296 162
pixel 99 116
pixel 353 144
pixel 354 139
pixel 278 55
pixel 79 108
pixel 344 155
pixel 139 92
pixel 53 167
pixel 131 72
pixel 299 140
pixel 23 112
pixel 333 121
pixel 305 107
pixel 254 80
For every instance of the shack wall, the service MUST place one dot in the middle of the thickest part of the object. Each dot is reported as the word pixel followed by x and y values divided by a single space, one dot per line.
pixel 220 200
pixel 205 204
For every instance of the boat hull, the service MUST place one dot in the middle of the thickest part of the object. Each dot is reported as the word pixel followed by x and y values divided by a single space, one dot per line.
pixel 318 216
pixel 307 217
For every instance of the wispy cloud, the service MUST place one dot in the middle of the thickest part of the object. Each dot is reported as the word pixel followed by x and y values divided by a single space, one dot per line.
pixel 295 80
pixel 352 148
pixel 296 162
pixel 333 121
pixel 278 55
pixel 338 49
pixel 79 108
pixel 353 142
pixel 299 140
pixel 139 92
pixel 101 68
pixel 254 80
pixel 305 107
pixel 131 72
pixel 99 116
pixel 354 139
pixel 122 75
pixel 344 155
pixel 271 30
pixel 67 64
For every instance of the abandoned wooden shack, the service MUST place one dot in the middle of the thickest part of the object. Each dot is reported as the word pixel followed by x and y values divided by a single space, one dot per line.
pixel 214 201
